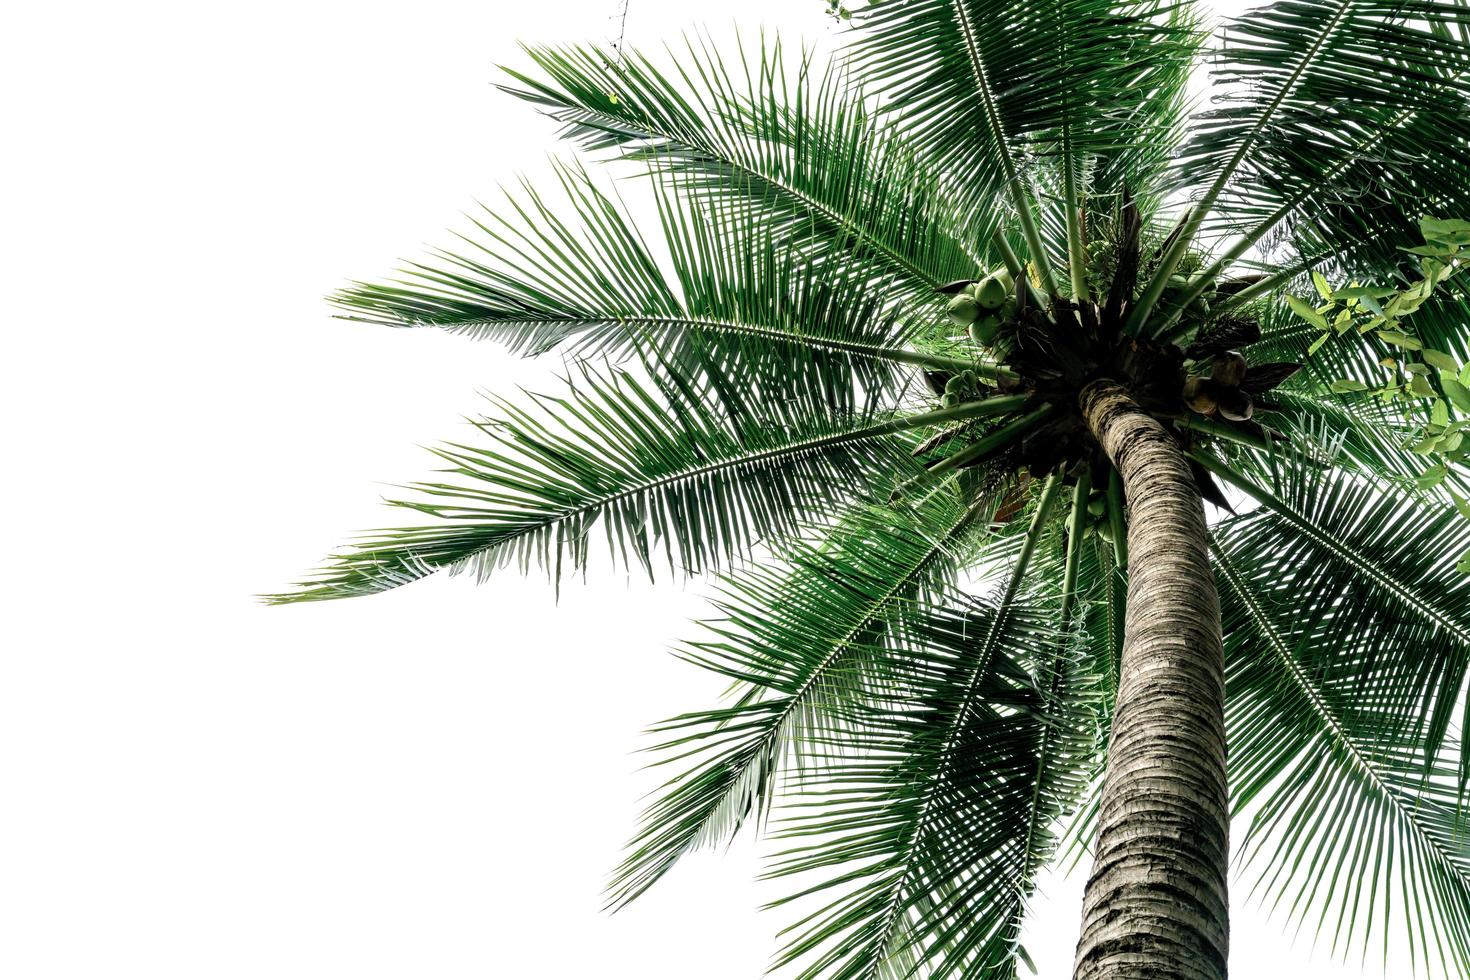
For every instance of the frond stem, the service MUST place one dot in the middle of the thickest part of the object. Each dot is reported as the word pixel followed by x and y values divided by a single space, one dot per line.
pixel 1116 503
pixel 984 446
pixel 1170 260
pixel 1014 185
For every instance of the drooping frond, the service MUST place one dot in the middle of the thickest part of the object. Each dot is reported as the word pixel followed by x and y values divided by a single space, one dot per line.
pixel 918 829
pixel 590 283
pixel 1378 563
pixel 796 640
pixel 655 469
pixel 913 837
pixel 1354 830
pixel 792 145
pixel 1093 649
pixel 1104 589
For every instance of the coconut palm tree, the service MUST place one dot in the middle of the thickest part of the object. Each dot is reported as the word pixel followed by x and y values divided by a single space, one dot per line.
pixel 934 354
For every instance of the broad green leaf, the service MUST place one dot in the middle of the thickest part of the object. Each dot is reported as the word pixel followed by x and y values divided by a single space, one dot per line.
pixel 1323 288
pixel 1362 292
pixel 1444 229
pixel 1399 339
pixel 1438 251
pixel 1440 359
pixel 1457 393
pixel 1307 312
pixel 1431 477
pixel 1461 504
pixel 1419 385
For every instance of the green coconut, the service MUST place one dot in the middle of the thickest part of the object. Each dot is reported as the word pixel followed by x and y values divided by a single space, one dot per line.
pixel 962 310
pixel 984 330
pixel 992 292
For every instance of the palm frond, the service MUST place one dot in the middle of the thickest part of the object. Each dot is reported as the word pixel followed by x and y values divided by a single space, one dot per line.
pixel 1093 657
pixel 934 801
pixel 984 87
pixel 589 283
pixel 1382 562
pixel 1348 434
pixel 796 640
pixel 793 144
pixel 919 825
pixel 1373 132
pixel 1153 121
pixel 656 468
pixel 1354 830
pixel 1342 121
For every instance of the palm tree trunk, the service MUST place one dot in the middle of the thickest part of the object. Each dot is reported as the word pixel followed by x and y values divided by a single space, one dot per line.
pixel 1156 905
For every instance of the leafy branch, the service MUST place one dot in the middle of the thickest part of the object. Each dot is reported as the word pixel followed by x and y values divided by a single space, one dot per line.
pixel 1417 371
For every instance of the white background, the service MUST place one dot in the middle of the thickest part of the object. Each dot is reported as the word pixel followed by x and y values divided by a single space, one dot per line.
pixel 429 783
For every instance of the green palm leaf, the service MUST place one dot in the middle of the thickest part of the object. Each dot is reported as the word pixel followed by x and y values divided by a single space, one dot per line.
pixel 983 85
pixel 1381 563
pixel 921 836
pixel 796 640
pixel 930 820
pixel 795 146
pixel 1329 427
pixel 1343 122
pixel 1354 830
pixel 592 285
pixel 656 469
pixel 1378 92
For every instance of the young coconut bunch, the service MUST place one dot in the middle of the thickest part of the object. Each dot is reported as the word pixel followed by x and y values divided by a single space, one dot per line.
pixel 1051 349
pixel 1083 283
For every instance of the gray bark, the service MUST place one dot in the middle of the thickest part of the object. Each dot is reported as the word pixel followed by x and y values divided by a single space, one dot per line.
pixel 1156 905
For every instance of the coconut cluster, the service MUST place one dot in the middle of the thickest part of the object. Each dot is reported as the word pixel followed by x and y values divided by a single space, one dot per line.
pixel 961 387
pixel 1098 522
pixel 1052 347
pixel 1219 392
pixel 1233 387
pixel 986 308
